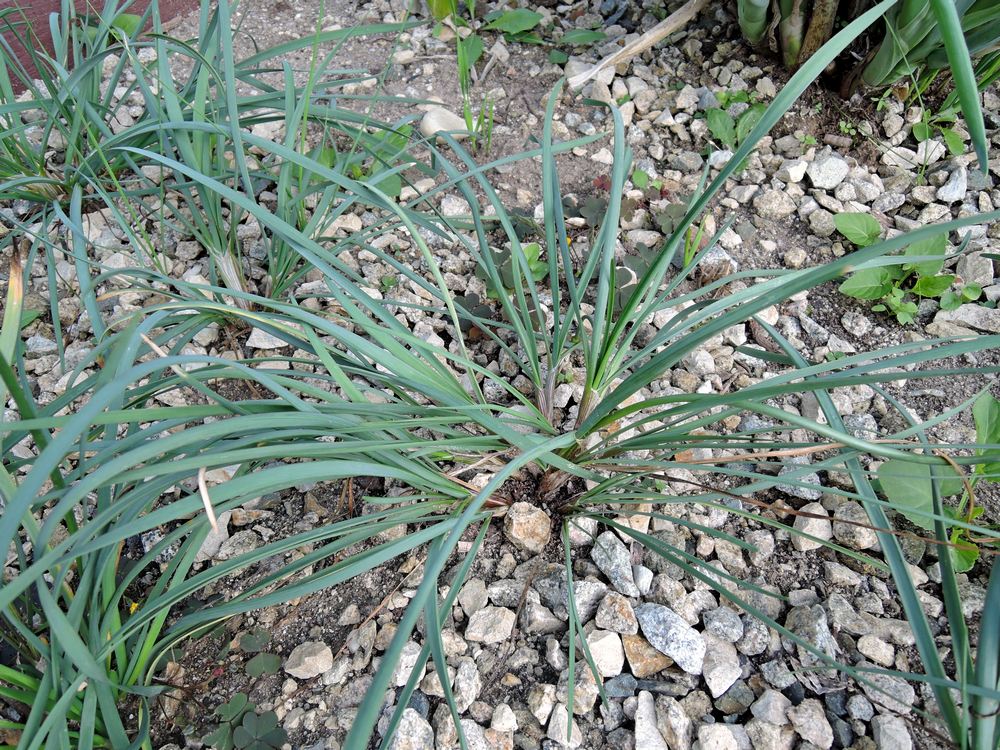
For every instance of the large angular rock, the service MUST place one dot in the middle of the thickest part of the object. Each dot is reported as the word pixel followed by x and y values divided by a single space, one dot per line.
pixel 670 634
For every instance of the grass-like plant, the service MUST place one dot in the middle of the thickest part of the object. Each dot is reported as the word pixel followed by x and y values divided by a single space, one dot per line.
pixel 92 618
pixel 195 108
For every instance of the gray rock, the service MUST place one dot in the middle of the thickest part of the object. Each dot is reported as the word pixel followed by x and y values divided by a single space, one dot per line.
pixel 490 625
pixel 537 618
pixel 792 170
pixel 563 729
pixel 39 346
pixel 766 736
pixel 810 624
pixel 821 223
pixel 890 733
pixel 527 526
pixel 673 722
pixel 413 732
pixel 771 707
pixel 719 158
pixel 647 733
pixel 736 700
pixel 706 99
pixel 887 202
pixel 238 544
pixel 473 596
pixel 613 558
pixel 668 633
pixel 404 667
pixel 955 188
pixel 724 623
pixel 894 693
pixel 809 720
pixel 813 526
pixel 309 659
pixel 622 686
pixel 974 268
pixel 721 666
pixel 852 528
pixel 774 205
pixel 972 316
pixel 804 478
pixel 723 737
pixel 860 708
pixel 261 339
pixel 686 161
pixel 214 540
pixel 467 685
pixel 828 170
pixel 929 152
pixel 901 157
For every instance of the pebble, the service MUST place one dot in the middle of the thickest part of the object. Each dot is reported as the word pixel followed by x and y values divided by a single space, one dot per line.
pixel 439 119
pixel 527 526
pixel 721 666
pixel 615 613
pixel 724 622
pixel 671 635
pixel 647 733
pixel 806 492
pixel 815 527
pixel 810 722
pixel 852 528
pixel 309 659
pixel 772 707
pixel 827 170
pixel 563 729
pixel 490 625
pixel 413 732
pixel 674 723
pixel 607 652
pixel 615 561
pixel 723 737
pixel 467 685
pixel 894 693
pixel 956 187
pixel 877 650
pixel 774 205
pixel 891 733
pixel 541 700
pixel 261 339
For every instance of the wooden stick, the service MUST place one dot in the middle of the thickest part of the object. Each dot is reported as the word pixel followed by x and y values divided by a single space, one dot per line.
pixel 676 20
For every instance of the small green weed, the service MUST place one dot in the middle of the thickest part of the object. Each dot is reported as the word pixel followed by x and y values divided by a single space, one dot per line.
pixel 891 286
pixel 242 728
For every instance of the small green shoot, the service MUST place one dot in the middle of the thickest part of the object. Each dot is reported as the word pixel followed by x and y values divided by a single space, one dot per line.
pixel 891 286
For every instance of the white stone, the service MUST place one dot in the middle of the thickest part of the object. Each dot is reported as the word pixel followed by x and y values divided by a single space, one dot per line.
pixel 607 652
pixel 647 734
